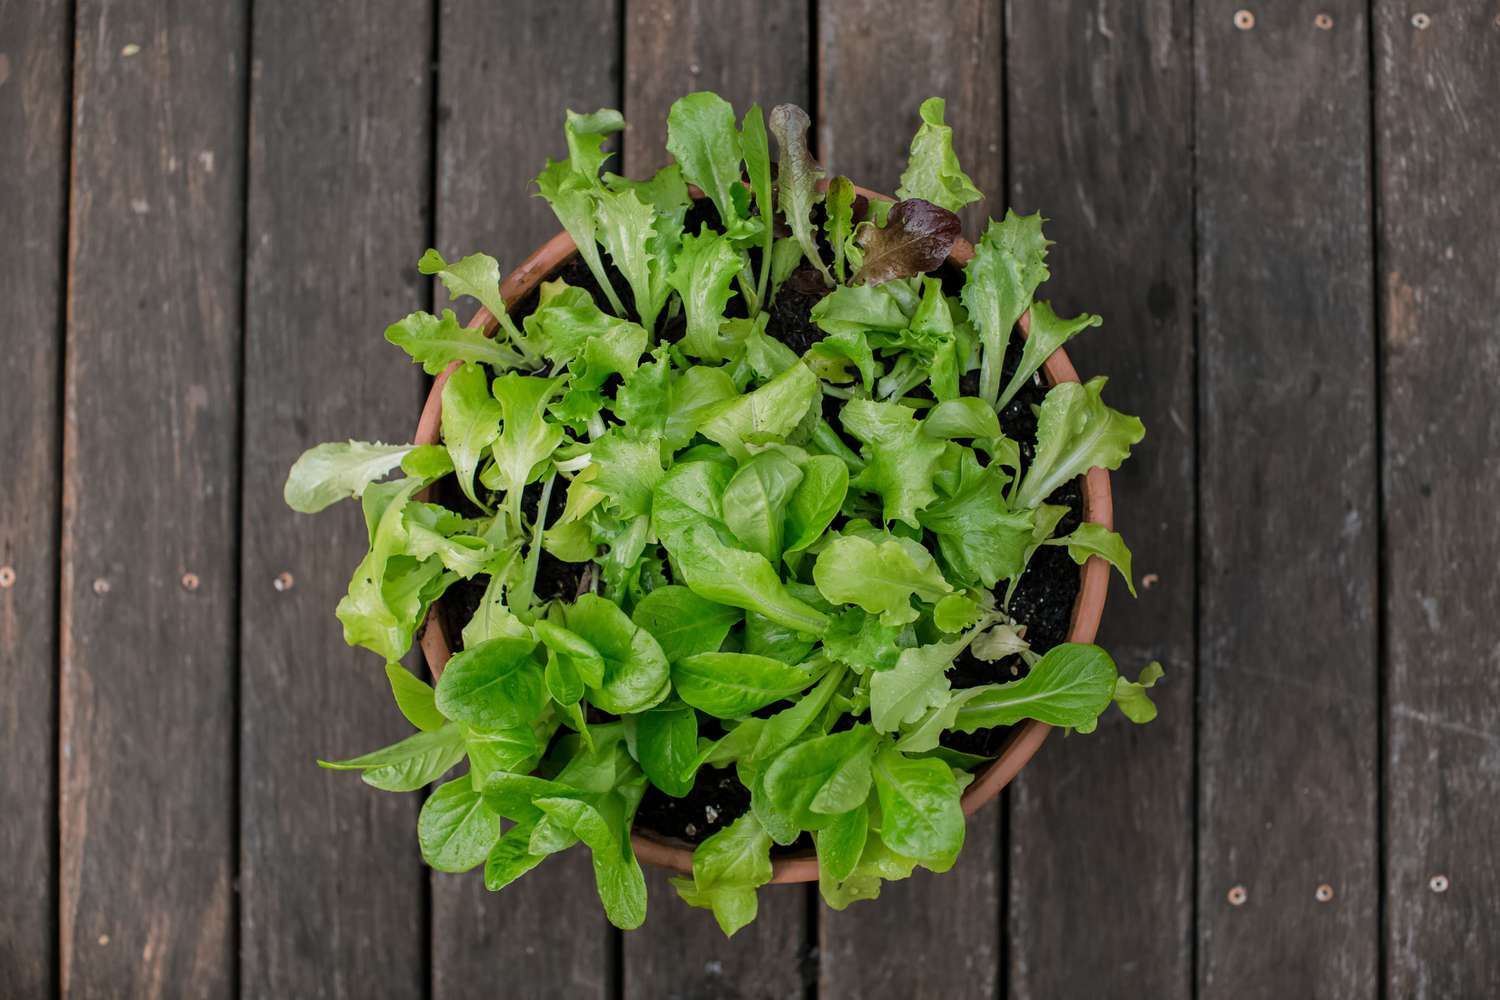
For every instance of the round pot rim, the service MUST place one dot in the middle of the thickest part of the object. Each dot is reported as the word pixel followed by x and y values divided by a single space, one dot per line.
pixel 1027 738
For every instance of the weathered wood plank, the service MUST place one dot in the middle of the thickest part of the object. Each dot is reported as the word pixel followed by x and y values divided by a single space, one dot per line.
pixel 928 936
pixel 681 953
pixel 867 114
pixel 879 59
pixel 1288 677
pixel 746 53
pixel 1439 242
pixel 546 931
pixel 149 535
pixel 1101 827
pixel 333 897
pixel 35 61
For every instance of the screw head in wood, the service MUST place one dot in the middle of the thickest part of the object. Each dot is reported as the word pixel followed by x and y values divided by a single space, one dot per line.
pixel 283 581
pixel 1237 895
pixel 1244 20
pixel 1420 21
pixel 7 577
pixel 1323 21
pixel 1323 893
pixel 190 581
pixel 101 586
pixel 1438 883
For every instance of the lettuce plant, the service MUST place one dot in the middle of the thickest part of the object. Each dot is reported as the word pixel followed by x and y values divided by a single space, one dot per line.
pixel 779 556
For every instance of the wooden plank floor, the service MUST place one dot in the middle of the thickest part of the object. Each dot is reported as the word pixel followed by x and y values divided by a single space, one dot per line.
pixel 1287 214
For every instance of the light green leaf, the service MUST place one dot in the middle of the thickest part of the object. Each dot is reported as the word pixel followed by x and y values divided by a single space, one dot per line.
pixel 436 343
pixel 811 782
pixel 920 814
pixel 476 276
pixel 901 695
pixel 1090 539
pixel 327 473
pixel 494 685
pixel 414 698
pixel 605 828
pixel 932 172
pixel 702 137
pixel 756 498
pixel 1069 686
pixel 701 273
pixel 771 411
pixel 1131 695
pixel 727 869
pixel 840 222
pixel 636 674
pixel 731 685
pixel 571 196
pixel 456 828
pixel 627 228
pixel 901 460
pixel 409 764
pixel 981 541
pixel 1008 265
pixel 527 438
pixel 881 577
pixel 684 623
pixel 816 501
pixel 1076 432
pixel 629 470
pixel 1048 332
pixel 470 424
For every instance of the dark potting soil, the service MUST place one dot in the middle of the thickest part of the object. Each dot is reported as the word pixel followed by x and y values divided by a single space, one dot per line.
pixel 1043 601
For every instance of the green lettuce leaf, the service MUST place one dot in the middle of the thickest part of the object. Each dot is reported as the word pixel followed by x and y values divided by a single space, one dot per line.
pixel 702 137
pixel 1075 433
pixel 328 473
pixel 881 577
pixel 1089 539
pixel 409 764
pixel 1009 263
pixel 701 274
pixel 457 828
pixel 901 460
pixel 727 869
pixel 932 171
pixel 1048 332
pixel 1069 686
pixel 435 343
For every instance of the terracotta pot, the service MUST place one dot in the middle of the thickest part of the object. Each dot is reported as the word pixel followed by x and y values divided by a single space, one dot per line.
pixel 1028 737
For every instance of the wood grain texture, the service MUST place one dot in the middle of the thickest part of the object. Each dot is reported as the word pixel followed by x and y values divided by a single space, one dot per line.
pixel 1439 243
pixel 929 936
pixel 867 112
pixel 35 65
pixel 1101 827
pixel 546 934
pixel 150 469
pixel 682 955
pixel 332 889
pixel 1288 677
pixel 879 59
pixel 745 52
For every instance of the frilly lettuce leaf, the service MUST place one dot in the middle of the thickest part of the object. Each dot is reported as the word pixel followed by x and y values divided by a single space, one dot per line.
pixel 932 173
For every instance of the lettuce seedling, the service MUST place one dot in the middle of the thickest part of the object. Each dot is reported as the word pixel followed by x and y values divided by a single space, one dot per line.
pixel 776 536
